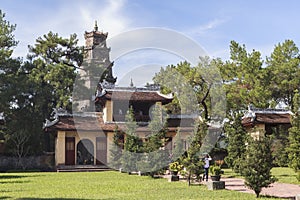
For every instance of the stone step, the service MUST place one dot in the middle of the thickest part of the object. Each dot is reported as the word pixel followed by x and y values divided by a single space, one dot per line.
pixel 83 168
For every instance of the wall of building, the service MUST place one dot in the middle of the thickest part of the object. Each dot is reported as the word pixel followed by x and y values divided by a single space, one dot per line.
pixel 60 143
pixel 108 111
pixel 256 132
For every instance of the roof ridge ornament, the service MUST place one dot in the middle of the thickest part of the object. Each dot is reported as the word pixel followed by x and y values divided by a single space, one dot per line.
pixel 96 26
pixel 131 83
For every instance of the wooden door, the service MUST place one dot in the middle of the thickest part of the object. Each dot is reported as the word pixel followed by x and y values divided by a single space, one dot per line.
pixel 101 150
pixel 70 151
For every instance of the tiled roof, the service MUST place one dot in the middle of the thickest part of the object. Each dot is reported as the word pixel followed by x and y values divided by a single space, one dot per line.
pixel 267 118
pixel 127 95
pixel 77 123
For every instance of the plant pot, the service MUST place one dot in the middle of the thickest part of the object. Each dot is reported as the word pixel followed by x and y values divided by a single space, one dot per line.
pixel 174 173
pixel 215 177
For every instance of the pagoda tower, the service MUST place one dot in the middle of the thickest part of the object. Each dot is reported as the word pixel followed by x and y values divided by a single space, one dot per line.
pixel 96 67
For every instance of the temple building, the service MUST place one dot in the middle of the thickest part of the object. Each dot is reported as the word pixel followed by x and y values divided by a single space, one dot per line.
pixel 84 137
pixel 259 122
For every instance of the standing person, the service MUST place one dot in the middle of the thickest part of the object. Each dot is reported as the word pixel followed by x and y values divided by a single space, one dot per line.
pixel 206 160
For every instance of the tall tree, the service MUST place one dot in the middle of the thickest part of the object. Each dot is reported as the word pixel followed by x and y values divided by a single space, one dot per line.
pixel 243 77
pixel 279 144
pixel 8 65
pixel 132 144
pixel 284 72
pixel 178 147
pixel 54 61
pixel 177 79
pixel 294 136
pixel 116 149
pixel 15 96
pixel 191 85
pixel 155 157
pixel 257 164
pixel 236 136
pixel 192 159
pixel 30 90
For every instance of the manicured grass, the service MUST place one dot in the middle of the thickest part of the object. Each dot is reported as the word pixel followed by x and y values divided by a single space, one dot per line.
pixel 228 173
pixel 103 185
pixel 284 175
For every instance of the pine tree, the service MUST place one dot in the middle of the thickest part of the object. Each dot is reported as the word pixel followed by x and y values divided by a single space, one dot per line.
pixel 294 136
pixel 116 150
pixel 178 147
pixel 236 135
pixel 257 164
pixel 279 146
pixel 192 159
pixel 155 157
pixel 132 144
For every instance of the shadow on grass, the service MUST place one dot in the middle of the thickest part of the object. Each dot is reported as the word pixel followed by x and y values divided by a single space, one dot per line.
pixel 12 176
pixel 5 197
pixel 8 182
pixel 274 197
pixel 59 198
pixel 284 175
pixel 231 176
pixel 8 176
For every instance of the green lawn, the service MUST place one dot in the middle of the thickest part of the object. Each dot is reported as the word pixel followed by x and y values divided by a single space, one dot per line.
pixel 103 185
pixel 284 174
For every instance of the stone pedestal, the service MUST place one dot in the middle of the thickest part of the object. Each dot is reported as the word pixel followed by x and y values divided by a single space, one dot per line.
pixel 173 178
pixel 215 185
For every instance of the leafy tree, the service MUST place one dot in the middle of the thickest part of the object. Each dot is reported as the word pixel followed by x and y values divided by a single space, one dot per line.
pixel 283 72
pixel 257 164
pixel 236 148
pixel 50 71
pixel 175 79
pixel 8 65
pixel 20 141
pixel 191 85
pixel 243 77
pixel 54 61
pixel 294 136
pixel 16 97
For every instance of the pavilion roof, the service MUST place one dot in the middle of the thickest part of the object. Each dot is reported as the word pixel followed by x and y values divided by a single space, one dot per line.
pixel 266 116
pixel 134 94
pixel 94 122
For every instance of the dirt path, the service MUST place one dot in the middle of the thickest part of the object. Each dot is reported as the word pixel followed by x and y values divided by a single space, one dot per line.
pixel 282 190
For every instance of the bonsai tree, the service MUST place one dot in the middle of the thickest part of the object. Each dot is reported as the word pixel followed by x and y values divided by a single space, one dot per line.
pixel 215 170
pixel 175 167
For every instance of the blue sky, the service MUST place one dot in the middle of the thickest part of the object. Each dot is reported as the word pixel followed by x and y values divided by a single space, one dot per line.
pixel 212 24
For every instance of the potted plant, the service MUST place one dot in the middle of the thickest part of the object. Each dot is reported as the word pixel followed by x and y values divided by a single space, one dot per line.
pixel 216 172
pixel 175 167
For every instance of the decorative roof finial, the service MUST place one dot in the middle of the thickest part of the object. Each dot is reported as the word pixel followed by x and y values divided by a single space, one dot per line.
pixel 131 83
pixel 96 26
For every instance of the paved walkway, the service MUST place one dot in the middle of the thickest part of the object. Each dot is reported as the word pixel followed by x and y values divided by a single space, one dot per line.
pixel 282 190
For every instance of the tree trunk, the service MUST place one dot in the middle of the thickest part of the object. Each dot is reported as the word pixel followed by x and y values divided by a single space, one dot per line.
pixel 257 193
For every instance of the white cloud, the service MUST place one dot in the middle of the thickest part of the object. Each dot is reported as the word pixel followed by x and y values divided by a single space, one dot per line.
pixel 71 18
pixel 202 29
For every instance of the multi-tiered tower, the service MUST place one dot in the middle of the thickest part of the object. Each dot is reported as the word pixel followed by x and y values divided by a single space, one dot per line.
pixel 96 68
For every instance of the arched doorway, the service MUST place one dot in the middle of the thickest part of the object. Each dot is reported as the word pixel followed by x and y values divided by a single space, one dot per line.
pixel 85 152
